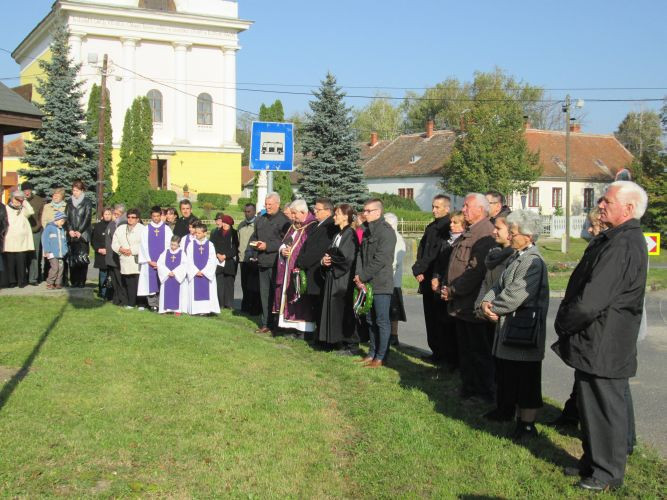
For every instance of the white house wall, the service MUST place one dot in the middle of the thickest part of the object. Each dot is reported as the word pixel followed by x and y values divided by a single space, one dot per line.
pixel 576 196
pixel 425 188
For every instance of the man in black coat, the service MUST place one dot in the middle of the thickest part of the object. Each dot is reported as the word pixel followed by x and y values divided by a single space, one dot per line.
pixel 181 227
pixel 319 240
pixel 435 235
pixel 270 229
pixel 597 325
pixel 112 259
pixel 4 225
pixel 497 207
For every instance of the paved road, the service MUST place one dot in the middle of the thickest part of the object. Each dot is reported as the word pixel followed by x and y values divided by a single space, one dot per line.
pixel 649 390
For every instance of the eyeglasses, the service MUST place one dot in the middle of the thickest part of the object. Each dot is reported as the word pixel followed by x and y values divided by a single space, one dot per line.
pixel 131 216
pixel 368 211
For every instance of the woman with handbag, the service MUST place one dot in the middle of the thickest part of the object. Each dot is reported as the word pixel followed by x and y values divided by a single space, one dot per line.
pixel 79 229
pixel 518 303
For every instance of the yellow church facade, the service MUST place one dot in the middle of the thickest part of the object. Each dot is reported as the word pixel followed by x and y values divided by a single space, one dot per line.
pixel 181 54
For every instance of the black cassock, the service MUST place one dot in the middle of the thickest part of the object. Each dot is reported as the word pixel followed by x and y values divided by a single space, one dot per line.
pixel 337 322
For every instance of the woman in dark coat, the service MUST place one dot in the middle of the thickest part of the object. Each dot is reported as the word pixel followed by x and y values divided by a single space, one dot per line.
pixel 225 239
pixel 337 322
pixel 79 230
pixel 99 246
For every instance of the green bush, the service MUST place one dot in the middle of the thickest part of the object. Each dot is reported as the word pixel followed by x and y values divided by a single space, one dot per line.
pixel 162 197
pixel 219 201
pixel 393 202
pixel 243 202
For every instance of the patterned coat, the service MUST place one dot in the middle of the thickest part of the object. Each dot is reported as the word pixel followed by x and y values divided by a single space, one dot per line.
pixel 518 285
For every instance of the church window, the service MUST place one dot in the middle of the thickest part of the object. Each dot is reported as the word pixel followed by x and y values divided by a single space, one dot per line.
pixel 204 110
pixel 155 101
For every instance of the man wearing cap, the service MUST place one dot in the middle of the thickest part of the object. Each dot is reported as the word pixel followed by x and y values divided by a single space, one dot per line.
pixel 18 241
pixel 34 259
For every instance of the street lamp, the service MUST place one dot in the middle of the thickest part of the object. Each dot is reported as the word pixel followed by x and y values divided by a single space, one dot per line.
pixel 566 109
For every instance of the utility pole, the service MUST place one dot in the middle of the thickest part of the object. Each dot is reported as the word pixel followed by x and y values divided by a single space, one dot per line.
pixel 566 246
pixel 100 137
pixel 269 181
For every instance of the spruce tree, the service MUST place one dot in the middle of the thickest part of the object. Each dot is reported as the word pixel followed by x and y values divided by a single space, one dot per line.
pixel 136 148
pixel 330 165
pixel 93 125
pixel 60 152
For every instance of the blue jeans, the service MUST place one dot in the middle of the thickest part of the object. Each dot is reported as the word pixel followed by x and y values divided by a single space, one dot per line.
pixel 379 326
pixel 101 291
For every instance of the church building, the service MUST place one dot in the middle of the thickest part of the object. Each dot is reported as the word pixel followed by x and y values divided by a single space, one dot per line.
pixel 181 54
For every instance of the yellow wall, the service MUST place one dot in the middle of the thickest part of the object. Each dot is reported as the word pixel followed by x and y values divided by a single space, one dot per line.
pixel 31 72
pixel 202 172
pixel 12 164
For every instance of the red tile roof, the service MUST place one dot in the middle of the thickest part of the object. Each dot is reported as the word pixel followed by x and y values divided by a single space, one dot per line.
pixel 410 155
pixel 14 148
pixel 592 156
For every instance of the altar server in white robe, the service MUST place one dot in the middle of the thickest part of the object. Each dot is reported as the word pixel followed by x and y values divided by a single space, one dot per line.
pixel 202 264
pixel 173 273
pixel 155 240
pixel 187 240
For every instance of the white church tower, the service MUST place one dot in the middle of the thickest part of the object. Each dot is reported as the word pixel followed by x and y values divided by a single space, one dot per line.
pixel 181 54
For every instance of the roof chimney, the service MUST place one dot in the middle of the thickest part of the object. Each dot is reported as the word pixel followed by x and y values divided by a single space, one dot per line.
pixel 429 129
pixel 526 122
pixel 575 127
pixel 374 139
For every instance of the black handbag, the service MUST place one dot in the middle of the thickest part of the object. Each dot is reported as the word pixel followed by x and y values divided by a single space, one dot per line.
pixel 523 325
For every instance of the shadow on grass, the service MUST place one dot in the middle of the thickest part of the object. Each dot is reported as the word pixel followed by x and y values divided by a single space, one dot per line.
pixel 12 383
pixel 444 394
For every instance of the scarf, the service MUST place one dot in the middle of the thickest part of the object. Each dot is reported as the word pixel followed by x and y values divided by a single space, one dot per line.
pixel 58 206
pixel 77 201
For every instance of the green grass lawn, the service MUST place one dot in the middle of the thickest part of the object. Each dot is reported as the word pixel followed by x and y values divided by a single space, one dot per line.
pixel 124 403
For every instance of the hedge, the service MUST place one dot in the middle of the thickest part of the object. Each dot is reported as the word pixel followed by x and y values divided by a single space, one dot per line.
pixel 219 201
pixel 162 198
pixel 393 201
pixel 243 202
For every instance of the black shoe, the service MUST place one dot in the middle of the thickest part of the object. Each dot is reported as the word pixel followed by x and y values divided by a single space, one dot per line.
pixel 564 421
pixel 524 430
pixel 430 358
pixel 573 471
pixel 33 283
pixel 154 309
pixel 393 340
pixel 348 351
pixel 498 416
pixel 295 336
pixel 593 484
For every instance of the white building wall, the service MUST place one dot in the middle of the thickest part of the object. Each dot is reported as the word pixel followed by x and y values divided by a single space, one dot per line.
pixel 425 188
pixel 576 196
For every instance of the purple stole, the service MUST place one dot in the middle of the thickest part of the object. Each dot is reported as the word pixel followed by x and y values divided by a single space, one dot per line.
pixel 172 288
pixel 200 258
pixel 155 248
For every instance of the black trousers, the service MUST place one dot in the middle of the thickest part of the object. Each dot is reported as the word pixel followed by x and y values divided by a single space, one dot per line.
pixel 475 361
pixel 119 290
pixel 225 286
pixel 78 275
pixel 450 343
pixel 131 284
pixel 434 337
pixel 603 413
pixel 266 290
pixel 16 268
pixel 250 303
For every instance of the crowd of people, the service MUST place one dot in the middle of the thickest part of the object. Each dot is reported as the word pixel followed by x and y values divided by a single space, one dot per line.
pixel 333 276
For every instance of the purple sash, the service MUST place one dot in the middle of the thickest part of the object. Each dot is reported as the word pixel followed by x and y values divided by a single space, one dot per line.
pixel 172 288
pixel 200 258
pixel 155 248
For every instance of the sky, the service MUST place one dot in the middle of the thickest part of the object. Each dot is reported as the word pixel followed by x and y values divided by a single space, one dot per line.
pixel 584 48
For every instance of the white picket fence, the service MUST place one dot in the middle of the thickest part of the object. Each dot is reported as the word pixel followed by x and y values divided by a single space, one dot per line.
pixel 553 226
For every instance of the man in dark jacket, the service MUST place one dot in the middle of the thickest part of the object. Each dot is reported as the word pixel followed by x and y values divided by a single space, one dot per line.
pixel 375 266
pixel 497 207
pixel 464 278
pixel 270 229
pixel 597 325
pixel 436 233
pixel 4 225
pixel 35 257
pixel 181 227
pixel 112 259
pixel 319 240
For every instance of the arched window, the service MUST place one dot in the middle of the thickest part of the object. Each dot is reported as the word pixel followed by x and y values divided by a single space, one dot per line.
pixel 204 110
pixel 155 101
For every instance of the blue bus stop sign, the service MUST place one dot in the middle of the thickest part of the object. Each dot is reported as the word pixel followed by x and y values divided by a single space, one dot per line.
pixel 272 146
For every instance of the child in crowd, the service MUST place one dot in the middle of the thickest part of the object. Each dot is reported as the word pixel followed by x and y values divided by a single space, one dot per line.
pixel 54 245
pixel 172 271
pixel 187 240
pixel 201 265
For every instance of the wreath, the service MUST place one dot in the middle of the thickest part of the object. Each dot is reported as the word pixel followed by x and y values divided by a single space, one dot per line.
pixel 300 283
pixel 303 281
pixel 362 300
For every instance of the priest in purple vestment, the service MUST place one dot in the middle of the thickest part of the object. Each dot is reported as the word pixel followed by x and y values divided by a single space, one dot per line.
pixel 295 310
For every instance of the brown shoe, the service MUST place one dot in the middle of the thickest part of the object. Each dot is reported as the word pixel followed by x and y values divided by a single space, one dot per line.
pixel 264 329
pixel 49 286
pixel 364 360
pixel 376 363
pixel 58 287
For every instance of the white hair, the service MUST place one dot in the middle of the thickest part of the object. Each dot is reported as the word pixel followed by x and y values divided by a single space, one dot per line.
pixel 631 194
pixel 273 196
pixel 392 220
pixel 299 205
pixel 527 223
pixel 481 199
